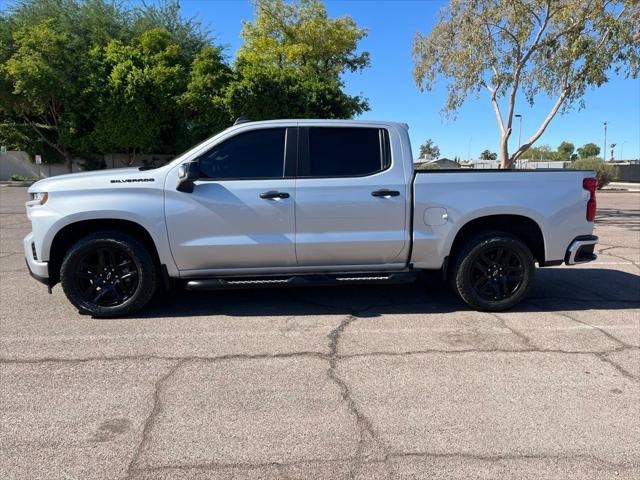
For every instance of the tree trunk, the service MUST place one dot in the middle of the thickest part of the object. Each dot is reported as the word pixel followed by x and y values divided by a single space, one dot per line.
pixel 68 161
pixel 505 161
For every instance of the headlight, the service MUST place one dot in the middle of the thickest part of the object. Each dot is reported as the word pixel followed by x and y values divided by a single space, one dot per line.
pixel 39 198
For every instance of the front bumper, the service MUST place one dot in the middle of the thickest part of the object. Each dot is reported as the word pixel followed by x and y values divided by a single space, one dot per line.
pixel 581 250
pixel 38 270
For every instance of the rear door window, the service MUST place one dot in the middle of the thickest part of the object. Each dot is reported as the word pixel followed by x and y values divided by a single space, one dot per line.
pixel 345 152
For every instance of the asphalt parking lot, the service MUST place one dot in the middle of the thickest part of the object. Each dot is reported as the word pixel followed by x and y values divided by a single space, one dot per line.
pixel 354 382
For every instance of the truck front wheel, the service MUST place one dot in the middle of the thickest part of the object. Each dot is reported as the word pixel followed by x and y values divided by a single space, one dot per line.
pixel 493 271
pixel 108 274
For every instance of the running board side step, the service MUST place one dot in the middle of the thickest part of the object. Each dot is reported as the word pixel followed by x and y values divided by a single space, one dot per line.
pixel 300 280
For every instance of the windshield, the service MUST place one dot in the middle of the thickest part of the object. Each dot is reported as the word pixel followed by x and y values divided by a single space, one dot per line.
pixel 182 154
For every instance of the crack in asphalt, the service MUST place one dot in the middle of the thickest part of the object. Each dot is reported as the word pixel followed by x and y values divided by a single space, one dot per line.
pixel 523 338
pixel 601 330
pixel 367 437
pixel 505 457
pixel 632 262
pixel 476 350
pixel 282 466
pixel 307 354
pixel 603 355
pixel 609 246
pixel 153 415
pixel 624 372
pixel 214 466
pixel 188 358
pixel 366 433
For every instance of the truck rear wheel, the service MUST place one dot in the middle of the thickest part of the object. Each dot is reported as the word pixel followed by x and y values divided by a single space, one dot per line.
pixel 108 274
pixel 493 271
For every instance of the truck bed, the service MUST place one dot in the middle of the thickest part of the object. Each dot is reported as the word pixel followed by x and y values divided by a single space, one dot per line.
pixel 448 199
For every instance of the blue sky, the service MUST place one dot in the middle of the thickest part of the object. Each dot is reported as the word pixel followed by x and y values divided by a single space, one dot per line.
pixel 393 95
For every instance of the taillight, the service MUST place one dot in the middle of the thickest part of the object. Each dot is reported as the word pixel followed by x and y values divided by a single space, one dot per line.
pixel 591 184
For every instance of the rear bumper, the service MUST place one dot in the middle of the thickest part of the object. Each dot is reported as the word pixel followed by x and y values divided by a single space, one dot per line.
pixel 37 269
pixel 581 250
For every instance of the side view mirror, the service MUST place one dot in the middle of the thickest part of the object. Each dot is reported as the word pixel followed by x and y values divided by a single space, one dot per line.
pixel 187 174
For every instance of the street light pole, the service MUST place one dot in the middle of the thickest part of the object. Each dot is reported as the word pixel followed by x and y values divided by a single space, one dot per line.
pixel 519 131
pixel 604 149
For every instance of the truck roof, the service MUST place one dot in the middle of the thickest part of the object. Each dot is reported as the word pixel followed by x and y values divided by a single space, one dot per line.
pixel 319 121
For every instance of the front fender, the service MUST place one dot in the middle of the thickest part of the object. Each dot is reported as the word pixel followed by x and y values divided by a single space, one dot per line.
pixel 141 206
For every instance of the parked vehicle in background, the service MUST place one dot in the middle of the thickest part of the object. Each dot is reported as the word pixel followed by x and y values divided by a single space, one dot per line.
pixel 292 202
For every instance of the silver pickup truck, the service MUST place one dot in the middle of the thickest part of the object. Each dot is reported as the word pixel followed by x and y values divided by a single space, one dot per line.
pixel 292 202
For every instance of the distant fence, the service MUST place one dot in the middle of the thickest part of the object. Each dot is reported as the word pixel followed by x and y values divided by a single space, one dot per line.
pixel 520 164
pixel 18 163
pixel 625 172
pixel 628 173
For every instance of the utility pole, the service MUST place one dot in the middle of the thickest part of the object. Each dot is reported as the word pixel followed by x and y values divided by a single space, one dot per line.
pixel 604 146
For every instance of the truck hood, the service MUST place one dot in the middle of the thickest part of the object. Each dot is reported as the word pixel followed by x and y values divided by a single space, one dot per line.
pixel 94 179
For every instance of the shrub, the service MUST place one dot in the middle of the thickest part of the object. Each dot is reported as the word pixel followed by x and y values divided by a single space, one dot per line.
pixel 426 166
pixel 21 178
pixel 604 172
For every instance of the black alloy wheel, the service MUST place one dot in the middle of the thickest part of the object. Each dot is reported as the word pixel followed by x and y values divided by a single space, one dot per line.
pixel 497 273
pixel 106 276
pixel 492 271
pixel 109 274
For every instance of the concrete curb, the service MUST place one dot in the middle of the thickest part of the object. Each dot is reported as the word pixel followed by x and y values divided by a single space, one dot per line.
pixel 9 183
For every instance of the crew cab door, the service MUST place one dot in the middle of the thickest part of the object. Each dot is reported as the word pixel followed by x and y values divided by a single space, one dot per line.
pixel 351 198
pixel 240 214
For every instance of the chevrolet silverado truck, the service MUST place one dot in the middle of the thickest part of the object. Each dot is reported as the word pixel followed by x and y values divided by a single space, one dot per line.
pixel 303 202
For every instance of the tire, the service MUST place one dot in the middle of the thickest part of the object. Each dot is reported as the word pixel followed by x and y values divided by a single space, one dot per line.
pixel 109 274
pixel 493 271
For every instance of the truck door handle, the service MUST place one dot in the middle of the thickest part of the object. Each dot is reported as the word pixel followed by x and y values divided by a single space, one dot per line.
pixel 273 194
pixel 385 193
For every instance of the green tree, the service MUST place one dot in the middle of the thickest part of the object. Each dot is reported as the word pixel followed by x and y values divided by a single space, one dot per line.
pixel 44 89
pixel 541 153
pixel 565 151
pixel 589 150
pixel 203 100
pixel 292 61
pixel 85 76
pixel 166 15
pixel 429 150
pixel 488 155
pixel 150 71
pixel 45 101
pixel 520 48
